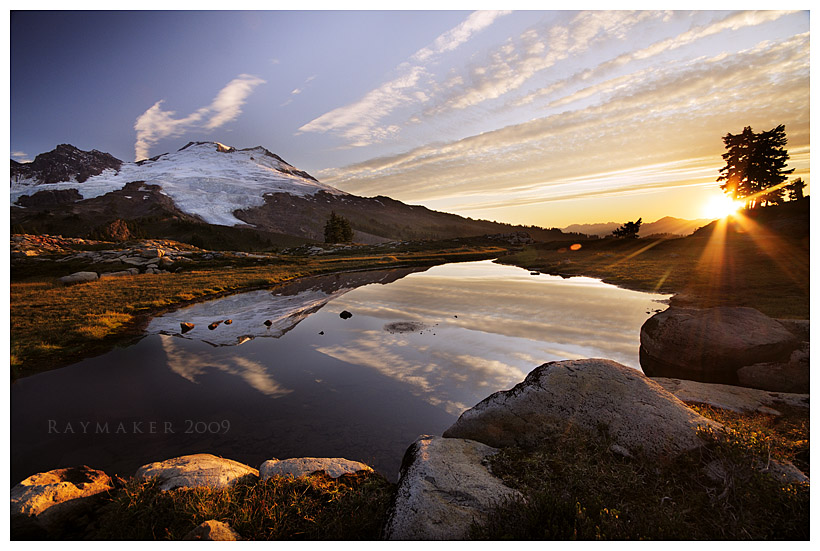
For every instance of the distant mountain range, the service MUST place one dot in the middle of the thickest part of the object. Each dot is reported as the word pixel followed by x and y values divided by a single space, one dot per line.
pixel 216 195
pixel 666 225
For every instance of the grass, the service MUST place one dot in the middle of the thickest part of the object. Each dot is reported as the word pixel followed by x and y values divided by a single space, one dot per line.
pixel 312 507
pixel 754 267
pixel 575 488
pixel 53 326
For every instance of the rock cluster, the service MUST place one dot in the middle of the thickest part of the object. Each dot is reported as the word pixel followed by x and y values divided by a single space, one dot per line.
pixel 513 238
pixel 446 483
pixel 25 245
pixel 728 345
pixel 66 501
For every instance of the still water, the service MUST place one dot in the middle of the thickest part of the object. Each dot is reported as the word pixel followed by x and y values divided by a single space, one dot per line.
pixel 421 346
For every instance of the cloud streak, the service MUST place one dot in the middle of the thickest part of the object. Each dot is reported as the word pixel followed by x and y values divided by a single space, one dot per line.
pixel 156 124
pixel 360 123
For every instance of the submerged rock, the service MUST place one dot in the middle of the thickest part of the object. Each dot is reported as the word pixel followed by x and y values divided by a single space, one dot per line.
pixel 193 471
pixel 300 466
pixel 444 486
pixel 637 413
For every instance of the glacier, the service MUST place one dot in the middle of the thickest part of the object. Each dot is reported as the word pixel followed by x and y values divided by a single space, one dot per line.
pixel 206 179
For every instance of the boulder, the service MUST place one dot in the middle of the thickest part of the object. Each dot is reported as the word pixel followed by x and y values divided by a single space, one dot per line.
pixel 121 273
pixel 58 499
pixel 194 471
pixel 213 530
pixel 732 398
pixel 637 413
pixel 710 345
pixel 444 486
pixel 791 376
pixel 799 328
pixel 300 466
pixel 79 277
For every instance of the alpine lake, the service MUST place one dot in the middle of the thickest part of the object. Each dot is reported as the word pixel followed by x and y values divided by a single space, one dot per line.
pixel 354 365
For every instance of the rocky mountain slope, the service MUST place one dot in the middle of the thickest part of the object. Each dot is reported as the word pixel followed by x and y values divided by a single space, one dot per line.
pixel 210 192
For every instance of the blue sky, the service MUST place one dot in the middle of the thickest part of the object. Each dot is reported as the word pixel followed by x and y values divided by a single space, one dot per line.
pixel 546 118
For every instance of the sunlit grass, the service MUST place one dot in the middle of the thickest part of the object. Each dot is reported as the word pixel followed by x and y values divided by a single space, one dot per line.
pixel 314 507
pixel 99 326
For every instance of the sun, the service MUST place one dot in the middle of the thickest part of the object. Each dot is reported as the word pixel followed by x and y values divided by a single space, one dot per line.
pixel 721 207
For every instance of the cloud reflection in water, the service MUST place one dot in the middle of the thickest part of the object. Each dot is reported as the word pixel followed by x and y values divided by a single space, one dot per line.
pixel 487 326
pixel 190 365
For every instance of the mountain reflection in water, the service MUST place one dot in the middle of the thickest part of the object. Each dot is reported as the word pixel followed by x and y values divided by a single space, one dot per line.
pixel 414 355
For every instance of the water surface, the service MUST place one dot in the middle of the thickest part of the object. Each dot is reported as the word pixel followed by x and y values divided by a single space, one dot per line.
pixel 421 347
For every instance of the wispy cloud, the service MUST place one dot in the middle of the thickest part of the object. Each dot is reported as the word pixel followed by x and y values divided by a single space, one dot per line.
pixel 156 124
pixel 360 123
pixel 457 36
pixel 20 157
pixel 297 91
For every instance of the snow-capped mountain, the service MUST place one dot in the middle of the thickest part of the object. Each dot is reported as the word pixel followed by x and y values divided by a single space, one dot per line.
pixel 205 179
pixel 214 196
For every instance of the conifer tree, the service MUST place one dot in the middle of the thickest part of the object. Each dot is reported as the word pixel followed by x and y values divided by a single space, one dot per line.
pixel 337 229
pixel 629 230
pixel 755 166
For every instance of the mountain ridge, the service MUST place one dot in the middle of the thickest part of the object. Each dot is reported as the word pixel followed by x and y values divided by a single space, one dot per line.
pixel 666 225
pixel 208 187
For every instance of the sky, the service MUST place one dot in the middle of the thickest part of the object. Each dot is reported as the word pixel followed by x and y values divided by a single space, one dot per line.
pixel 544 118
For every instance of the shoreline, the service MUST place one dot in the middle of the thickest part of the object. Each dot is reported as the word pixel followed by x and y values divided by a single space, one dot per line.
pixel 275 275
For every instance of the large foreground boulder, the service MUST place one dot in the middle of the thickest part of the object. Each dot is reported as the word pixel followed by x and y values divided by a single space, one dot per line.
pixel 710 345
pixel 444 487
pixel 590 394
pixel 334 467
pixel 56 500
pixel 194 471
